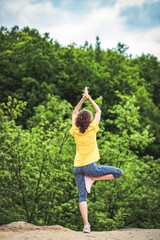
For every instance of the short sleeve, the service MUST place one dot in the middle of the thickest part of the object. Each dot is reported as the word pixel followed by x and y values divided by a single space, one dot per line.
pixel 95 126
pixel 72 130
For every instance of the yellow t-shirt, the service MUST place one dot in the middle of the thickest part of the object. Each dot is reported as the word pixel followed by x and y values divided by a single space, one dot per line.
pixel 86 145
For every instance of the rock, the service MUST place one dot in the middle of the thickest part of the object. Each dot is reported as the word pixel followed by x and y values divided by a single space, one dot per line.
pixel 24 226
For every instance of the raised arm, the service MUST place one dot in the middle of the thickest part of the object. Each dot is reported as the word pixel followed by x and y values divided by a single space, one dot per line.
pixel 74 114
pixel 97 109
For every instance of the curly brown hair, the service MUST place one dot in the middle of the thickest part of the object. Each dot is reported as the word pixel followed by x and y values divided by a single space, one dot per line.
pixel 84 118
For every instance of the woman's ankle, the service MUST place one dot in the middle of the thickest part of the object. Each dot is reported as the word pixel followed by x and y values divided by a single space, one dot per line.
pixel 86 223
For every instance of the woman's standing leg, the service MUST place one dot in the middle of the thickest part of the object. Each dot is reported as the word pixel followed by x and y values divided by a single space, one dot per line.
pixel 84 212
pixel 80 182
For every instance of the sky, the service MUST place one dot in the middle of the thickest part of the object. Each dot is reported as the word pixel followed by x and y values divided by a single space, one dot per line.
pixel 135 23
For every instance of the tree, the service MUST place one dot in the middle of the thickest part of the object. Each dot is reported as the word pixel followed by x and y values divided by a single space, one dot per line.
pixel 121 48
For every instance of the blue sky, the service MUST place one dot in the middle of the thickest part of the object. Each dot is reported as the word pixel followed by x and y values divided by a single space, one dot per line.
pixel 133 22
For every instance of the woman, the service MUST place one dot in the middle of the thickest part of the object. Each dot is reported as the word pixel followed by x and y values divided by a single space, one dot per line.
pixel 86 171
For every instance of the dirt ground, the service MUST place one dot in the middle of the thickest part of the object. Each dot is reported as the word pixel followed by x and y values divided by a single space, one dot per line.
pixel 26 231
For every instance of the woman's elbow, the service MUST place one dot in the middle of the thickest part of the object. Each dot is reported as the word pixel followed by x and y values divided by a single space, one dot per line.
pixel 98 112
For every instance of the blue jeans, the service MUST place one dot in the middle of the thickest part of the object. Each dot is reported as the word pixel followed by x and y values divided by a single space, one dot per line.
pixel 92 170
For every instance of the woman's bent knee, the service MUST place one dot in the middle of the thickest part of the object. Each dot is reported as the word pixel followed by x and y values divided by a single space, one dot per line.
pixel 117 174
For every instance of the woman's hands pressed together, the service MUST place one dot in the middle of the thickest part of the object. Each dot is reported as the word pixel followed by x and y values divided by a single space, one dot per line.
pixel 85 94
pixel 96 108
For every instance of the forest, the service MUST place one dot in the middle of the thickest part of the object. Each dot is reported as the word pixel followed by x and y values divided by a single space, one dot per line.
pixel 41 82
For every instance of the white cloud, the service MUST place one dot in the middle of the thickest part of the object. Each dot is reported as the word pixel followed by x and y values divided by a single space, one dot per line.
pixel 129 3
pixel 146 42
pixel 68 27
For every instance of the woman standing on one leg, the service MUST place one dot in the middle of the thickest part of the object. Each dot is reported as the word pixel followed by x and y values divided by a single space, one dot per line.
pixel 86 171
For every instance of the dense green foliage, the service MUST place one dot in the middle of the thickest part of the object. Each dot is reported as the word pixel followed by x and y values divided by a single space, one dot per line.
pixel 41 81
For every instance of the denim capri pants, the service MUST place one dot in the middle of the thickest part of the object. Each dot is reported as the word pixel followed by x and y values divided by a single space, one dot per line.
pixel 92 170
